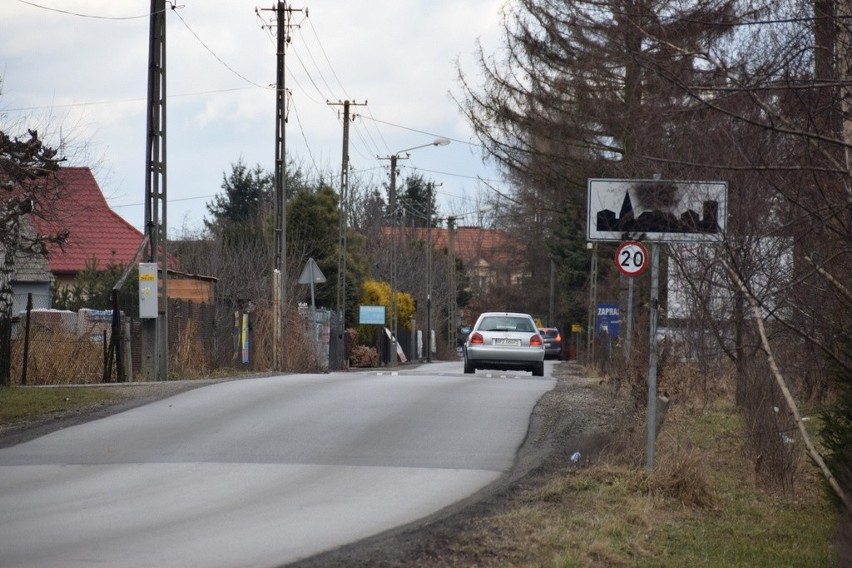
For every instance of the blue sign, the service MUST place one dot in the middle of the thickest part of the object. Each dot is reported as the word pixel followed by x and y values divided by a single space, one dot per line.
pixel 372 315
pixel 607 320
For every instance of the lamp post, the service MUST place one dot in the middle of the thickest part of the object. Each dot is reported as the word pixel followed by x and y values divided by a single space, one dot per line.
pixel 395 216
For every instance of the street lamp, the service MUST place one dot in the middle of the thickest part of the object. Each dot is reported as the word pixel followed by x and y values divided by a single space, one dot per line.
pixel 393 209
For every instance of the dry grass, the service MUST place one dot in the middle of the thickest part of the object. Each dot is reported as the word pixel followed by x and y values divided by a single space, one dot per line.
pixel 58 358
pixel 701 506
pixel 189 358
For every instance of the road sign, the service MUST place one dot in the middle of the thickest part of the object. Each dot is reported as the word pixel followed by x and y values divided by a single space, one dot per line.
pixel 608 320
pixel 312 274
pixel 371 315
pixel 657 210
pixel 631 258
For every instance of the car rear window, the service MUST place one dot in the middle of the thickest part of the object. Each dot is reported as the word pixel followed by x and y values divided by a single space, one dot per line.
pixel 506 323
pixel 549 333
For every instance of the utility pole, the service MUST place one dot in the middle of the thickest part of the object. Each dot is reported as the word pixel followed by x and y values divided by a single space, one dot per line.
pixel 551 303
pixel 395 215
pixel 155 342
pixel 279 273
pixel 343 208
pixel 451 308
pixel 593 299
pixel 394 252
pixel 429 275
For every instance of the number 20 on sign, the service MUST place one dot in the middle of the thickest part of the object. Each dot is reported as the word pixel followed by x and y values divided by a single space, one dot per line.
pixel 631 258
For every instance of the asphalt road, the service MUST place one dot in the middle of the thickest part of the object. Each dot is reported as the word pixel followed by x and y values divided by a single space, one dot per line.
pixel 261 472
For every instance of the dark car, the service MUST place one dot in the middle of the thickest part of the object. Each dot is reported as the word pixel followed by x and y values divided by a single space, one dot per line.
pixel 552 342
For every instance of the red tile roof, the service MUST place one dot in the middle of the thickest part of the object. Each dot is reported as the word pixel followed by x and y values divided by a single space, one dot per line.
pixel 94 230
pixel 473 244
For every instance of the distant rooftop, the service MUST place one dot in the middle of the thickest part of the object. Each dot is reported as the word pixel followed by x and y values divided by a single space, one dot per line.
pixel 94 230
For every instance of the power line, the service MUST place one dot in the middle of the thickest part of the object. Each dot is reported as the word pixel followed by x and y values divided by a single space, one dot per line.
pixel 305 138
pixel 310 54
pixel 373 145
pixel 479 178
pixel 213 53
pixel 79 15
pixel 325 55
pixel 120 101
pixel 422 131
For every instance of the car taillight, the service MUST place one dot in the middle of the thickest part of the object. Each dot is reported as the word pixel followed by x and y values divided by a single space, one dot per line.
pixel 558 338
pixel 476 338
pixel 535 341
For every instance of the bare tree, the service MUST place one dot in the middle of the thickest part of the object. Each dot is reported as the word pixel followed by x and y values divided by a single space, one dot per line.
pixel 30 188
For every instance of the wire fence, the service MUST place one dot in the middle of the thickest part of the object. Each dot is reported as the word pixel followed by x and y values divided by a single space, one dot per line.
pixel 64 347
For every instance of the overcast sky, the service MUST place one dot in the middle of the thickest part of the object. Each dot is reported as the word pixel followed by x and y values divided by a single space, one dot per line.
pixel 79 68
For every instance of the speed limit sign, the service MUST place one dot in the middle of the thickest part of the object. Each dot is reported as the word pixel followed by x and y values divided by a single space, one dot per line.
pixel 631 258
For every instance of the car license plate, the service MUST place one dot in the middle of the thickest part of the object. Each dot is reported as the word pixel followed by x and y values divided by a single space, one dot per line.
pixel 506 341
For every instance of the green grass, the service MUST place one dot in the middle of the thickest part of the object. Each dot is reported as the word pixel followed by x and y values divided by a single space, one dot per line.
pixel 20 404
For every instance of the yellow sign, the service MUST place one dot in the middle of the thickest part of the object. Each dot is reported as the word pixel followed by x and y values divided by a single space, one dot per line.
pixel 147 277
pixel 576 328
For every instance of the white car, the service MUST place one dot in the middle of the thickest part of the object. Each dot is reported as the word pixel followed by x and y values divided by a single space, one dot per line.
pixel 504 341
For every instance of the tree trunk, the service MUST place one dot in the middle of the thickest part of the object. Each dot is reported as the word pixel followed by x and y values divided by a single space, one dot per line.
pixel 7 269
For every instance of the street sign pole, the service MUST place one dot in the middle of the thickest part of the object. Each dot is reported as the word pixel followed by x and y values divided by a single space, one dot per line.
pixel 628 335
pixel 652 358
pixel 631 258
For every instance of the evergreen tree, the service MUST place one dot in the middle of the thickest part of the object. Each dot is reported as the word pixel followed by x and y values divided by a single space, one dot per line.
pixel 92 288
pixel 837 421
pixel 240 213
pixel 417 200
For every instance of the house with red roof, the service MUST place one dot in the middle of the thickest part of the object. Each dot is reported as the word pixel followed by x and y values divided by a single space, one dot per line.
pixel 96 233
pixel 489 256
pixel 492 259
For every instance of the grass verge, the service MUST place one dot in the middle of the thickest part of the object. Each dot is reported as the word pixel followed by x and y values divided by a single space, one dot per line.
pixel 26 404
pixel 701 506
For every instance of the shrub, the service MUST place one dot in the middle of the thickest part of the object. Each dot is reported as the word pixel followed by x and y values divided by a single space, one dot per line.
pixel 363 356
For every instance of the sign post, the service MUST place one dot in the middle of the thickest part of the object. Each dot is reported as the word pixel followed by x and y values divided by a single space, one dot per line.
pixel 312 275
pixel 652 357
pixel 631 258
pixel 661 211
